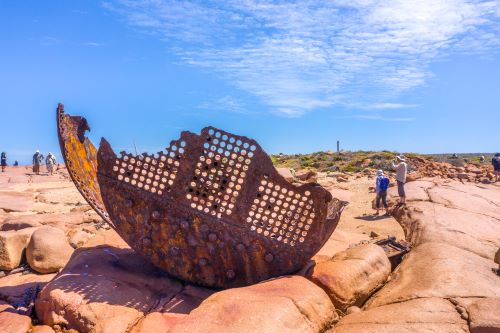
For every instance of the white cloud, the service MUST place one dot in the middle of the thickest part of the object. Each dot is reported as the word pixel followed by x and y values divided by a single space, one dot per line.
pixel 93 44
pixel 390 106
pixel 297 56
pixel 49 41
pixel 379 117
pixel 224 104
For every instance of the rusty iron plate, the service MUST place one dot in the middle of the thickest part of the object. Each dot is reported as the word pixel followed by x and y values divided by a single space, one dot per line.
pixel 209 209
pixel 80 157
pixel 394 250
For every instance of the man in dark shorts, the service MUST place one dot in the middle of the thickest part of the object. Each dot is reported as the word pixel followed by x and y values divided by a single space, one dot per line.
pixel 496 166
pixel 401 170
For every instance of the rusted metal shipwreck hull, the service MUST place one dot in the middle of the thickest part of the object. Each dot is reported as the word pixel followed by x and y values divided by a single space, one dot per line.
pixel 210 209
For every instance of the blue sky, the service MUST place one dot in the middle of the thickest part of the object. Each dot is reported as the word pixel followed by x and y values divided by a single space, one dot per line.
pixel 419 76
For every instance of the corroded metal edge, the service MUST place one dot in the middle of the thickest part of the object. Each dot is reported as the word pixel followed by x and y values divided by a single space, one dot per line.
pixel 80 157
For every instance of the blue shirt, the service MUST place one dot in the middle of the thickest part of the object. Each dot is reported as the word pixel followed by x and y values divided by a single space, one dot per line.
pixel 377 183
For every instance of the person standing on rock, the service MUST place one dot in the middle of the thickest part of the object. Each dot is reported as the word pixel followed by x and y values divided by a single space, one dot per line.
pixel 37 160
pixel 50 161
pixel 3 161
pixel 381 186
pixel 401 170
pixel 496 165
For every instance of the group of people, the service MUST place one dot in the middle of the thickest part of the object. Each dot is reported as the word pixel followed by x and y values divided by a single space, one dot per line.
pixel 50 162
pixel 38 159
pixel 401 168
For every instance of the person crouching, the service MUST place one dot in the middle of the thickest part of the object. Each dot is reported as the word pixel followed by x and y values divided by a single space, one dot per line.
pixel 381 186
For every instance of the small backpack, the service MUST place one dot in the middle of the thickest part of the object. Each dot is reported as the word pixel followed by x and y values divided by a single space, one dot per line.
pixel 384 184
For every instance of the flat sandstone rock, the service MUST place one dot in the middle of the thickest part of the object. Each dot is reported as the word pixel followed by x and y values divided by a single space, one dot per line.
pixel 11 201
pixel 414 316
pixel 439 270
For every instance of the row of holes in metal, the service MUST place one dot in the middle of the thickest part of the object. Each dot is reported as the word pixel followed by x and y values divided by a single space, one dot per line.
pixel 280 213
pixel 149 171
pixel 219 174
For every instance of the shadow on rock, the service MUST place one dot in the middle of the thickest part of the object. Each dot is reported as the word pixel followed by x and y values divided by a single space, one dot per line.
pixel 109 289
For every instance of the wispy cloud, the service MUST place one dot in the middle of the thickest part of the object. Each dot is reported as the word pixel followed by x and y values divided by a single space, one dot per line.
pixel 383 106
pixel 224 104
pixel 79 11
pixel 379 117
pixel 93 44
pixel 379 106
pixel 49 41
pixel 297 56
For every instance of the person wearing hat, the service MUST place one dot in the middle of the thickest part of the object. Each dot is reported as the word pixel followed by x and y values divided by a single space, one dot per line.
pixel 496 165
pixel 50 161
pixel 37 160
pixel 401 170
pixel 381 186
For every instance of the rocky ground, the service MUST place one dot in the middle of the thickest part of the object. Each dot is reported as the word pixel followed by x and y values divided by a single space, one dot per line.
pixel 465 169
pixel 63 270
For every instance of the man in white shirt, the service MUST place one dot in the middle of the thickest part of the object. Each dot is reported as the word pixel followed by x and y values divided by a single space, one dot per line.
pixel 401 170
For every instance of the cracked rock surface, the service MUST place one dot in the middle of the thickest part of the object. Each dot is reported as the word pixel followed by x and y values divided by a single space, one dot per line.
pixel 446 283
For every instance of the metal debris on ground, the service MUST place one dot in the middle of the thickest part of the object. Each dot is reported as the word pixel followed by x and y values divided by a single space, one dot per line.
pixel 394 250
pixel 209 209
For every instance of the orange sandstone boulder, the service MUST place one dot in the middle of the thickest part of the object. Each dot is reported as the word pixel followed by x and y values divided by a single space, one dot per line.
pixel 104 289
pixel 11 322
pixel 351 276
pixel 12 246
pixel 283 305
pixel 48 250
pixel 484 315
